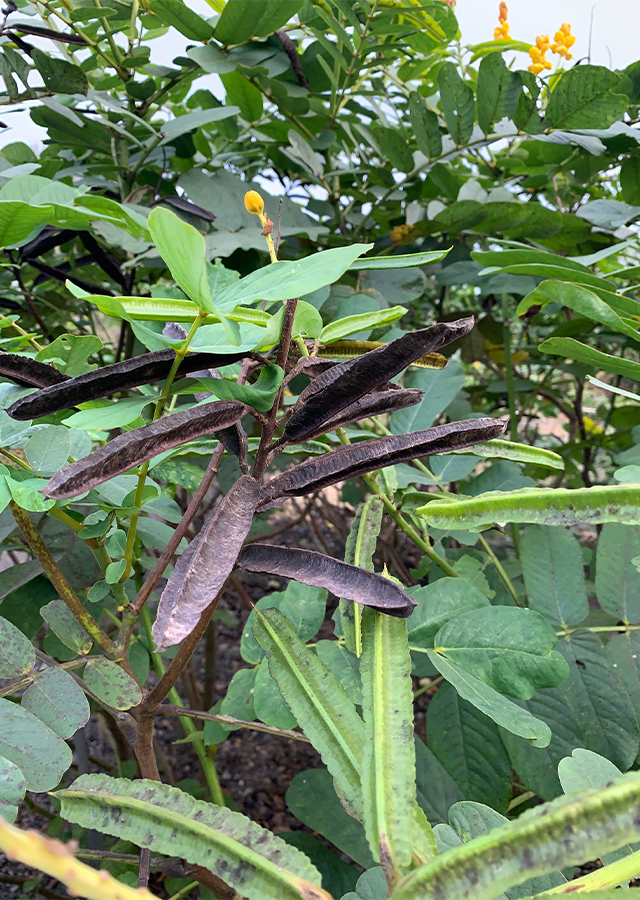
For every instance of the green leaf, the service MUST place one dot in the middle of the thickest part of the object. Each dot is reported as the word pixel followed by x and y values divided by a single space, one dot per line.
pixel 458 105
pixel 103 415
pixel 572 349
pixel 623 651
pixel 400 261
pixel 49 449
pixel 183 18
pixel 439 602
pixel 17 576
pixel 307 320
pixel 507 648
pixel 270 705
pixel 388 765
pixel 59 75
pixel 425 126
pixel 394 147
pixel 469 747
pixel 436 790
pixel 244 95
pixel 585 769
pixel 440 387
pixel 533 845
pixel 71 352
pixel 630 180
pixel 344 667
pixel 238 21
pixel 617 578
pixel 597 695
pixel 111 684
pixel 41 755
pixel 537 767
pixel 283 280
pixel 498 91
pixel 553 574
pixel 66 627
pixel 12 789
pixel 523 453
pixel 359 549
pixel 544 506
pixel 322 709
pixel 503 711
pixel 26 492
pixel 471 820
pixel 335 331
pixel 17 656
pixel 586 97
pixel 238 701
pixel 579 299
pixel 17 220
pixel 259 395
pixel 312 799
pixel 183 249
pixel 167 820
pixel 182 125
pixel 304 606
pixel 55 698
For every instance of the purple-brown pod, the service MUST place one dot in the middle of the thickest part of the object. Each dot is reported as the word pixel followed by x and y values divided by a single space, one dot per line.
pixel 29 372
pixel 134 447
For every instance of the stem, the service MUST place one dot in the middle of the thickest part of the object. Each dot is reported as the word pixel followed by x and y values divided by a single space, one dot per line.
pixel 607 877
pixel 131 612
pixel 155 697
pixel 208 766
pixel 408 529
pixel 281 359
pixel 494 559
pixel 60 583
pixel 157 412
pixel 176 710
pixel 400 520
pixel 508 367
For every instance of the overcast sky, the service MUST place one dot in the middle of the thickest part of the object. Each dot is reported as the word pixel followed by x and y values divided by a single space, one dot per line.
pixel 615 39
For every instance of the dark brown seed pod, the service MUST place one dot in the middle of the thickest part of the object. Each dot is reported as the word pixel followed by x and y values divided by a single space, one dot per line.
pixel 365 456
pixel 203 568
pixel 134 447
pixel 375 404
pixel 318 570
pixel 347 382
pixel 109 380
pixel 29 372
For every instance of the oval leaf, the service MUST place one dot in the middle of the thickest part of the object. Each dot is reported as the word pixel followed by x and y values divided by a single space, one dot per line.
pixel 17 656
pixel 507 648
pixel 28 743
pixel 111 684
pixel 12 789
pixel 55 698
pixel 65 626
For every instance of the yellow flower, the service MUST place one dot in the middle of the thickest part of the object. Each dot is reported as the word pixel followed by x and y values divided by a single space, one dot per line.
pixel 501 33
pixel 254 203
pixel 564 40
pixel 539 61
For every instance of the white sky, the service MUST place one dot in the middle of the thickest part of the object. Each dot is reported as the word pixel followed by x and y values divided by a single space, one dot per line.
pixel 615 39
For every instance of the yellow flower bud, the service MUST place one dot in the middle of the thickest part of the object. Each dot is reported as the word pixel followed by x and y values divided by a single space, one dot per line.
pixel 254 203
